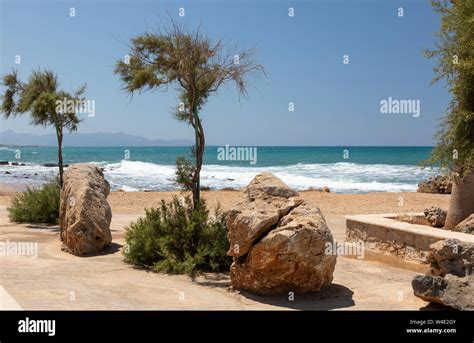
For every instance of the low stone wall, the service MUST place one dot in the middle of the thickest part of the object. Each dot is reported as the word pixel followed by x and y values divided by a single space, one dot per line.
pixel 384 233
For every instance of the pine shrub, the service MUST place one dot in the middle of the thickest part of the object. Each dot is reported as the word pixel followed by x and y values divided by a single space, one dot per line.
pixel 176 239
pixel 36 205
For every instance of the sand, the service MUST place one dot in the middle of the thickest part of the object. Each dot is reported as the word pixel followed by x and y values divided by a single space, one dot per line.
pixel 57 280
pixel 332 204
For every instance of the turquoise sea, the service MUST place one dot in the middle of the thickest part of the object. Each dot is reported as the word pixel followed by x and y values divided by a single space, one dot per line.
pixel 342 169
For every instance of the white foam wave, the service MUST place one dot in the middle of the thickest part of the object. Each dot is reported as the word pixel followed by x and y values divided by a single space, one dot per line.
pixel 339 177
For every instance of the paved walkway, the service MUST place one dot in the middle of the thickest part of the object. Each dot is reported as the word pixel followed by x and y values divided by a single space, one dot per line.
pixel 55 280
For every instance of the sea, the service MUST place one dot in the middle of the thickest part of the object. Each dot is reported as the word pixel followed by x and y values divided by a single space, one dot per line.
pixel 342 169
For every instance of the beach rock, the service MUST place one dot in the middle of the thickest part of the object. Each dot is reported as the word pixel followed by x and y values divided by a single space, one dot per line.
pixel 278 241
pixel 441 184
pixel 450 280
pixel 7 172
pixel 451 290
pixel 4 163
pixel 268 186
pixel 466 226
pixel 325 189
pixel 451 256
pixel 85 214
pixel 267 199
pixel 436 216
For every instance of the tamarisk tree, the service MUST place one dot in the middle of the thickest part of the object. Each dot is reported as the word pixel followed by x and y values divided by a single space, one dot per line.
pixel 47 105
pixel 197 68
pixel 454 51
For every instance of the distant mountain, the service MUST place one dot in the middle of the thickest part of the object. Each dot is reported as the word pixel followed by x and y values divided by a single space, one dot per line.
pixel 10 137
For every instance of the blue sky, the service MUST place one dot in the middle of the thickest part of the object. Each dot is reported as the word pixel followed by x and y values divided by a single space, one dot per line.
pixel 335 103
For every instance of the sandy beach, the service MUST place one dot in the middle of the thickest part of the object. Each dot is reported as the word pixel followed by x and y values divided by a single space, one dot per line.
pixel 107 282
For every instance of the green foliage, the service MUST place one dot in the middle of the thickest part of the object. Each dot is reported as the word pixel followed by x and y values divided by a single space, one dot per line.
pixel 177 239
pixel 38 96
pixel 454 52
pixel 184 173
pixel 36 205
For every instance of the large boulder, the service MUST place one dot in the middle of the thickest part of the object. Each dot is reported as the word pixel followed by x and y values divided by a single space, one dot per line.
pixel 450 280
pixel 450 291
pixel 266 200
pixel 441 184
pixel 278 241
pixel 466 226
pixel 85 214
pixel 436 216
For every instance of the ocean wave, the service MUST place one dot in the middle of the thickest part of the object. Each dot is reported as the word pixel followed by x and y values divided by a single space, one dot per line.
pixel 341 177
pixel 4 148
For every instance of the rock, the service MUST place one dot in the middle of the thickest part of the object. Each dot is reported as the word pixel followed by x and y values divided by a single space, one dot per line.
pixel 278 241
pixel 450 280
pixel 466 226
pixel 441 184
pixel 325 189
pixel 267 200
pixel 451 256
pixel 4 163
pixel 267 185
pixel 85 214
pixel 50 165
pixel 7 172
pixel 450 291
pixel 289 258
pixel 436 216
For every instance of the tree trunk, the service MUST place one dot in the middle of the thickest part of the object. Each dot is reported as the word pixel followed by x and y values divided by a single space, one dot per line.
pixel 461 204
pixel 199 146
pixel 60 157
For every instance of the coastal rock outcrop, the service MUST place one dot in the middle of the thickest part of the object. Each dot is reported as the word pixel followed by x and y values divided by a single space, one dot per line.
pixel 466 226
pixel 450 280
pixel 278 241
pixel 436 216
pixel 85 214
pixel 441 184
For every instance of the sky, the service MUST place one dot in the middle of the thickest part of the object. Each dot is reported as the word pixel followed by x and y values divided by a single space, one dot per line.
pixel 334 103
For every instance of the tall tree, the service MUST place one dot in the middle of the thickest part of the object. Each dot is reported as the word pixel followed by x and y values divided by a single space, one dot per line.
pixel 47 105
pixel 197 68
pixel 454 51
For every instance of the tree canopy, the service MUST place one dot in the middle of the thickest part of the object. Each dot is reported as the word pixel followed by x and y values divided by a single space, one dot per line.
pixel 454 51
pixel 38 97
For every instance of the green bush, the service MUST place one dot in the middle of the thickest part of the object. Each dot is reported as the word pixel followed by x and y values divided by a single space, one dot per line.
pixel 175 239
pixel 36 205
